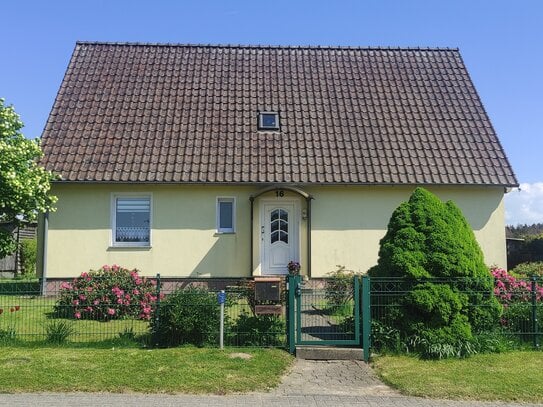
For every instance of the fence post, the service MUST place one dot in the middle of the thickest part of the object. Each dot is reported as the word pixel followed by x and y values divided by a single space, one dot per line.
pixel 366 317
pixel 535 335
pixel 291 286
pixel 157 311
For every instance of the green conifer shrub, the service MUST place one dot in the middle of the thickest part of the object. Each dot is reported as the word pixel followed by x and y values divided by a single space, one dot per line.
pixel 430 245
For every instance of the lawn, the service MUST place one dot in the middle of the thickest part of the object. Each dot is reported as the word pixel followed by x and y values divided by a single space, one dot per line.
pixel 176 370
pixel 27 317
pixel 511 376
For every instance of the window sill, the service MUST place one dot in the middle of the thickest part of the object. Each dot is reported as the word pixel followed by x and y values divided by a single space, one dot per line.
pixel 129 248
pixel 224 233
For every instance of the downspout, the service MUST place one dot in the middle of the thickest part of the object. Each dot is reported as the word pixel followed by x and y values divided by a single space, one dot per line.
pixel 308 201
pixel 252 200
pixel 44 253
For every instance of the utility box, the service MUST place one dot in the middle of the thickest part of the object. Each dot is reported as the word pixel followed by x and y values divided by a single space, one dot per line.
pixel 267 289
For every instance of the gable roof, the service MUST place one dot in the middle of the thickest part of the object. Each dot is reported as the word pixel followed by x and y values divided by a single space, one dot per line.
pixel 188 114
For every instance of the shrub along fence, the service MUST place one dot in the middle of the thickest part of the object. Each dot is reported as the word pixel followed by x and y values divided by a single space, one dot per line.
pixel 113 305
pixel 519 318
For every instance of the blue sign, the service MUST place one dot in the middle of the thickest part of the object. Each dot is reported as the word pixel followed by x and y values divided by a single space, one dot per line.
pixel 221 297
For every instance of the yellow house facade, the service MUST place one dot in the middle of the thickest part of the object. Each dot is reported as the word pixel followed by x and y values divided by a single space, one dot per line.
pixel 341 226
pixel 206 161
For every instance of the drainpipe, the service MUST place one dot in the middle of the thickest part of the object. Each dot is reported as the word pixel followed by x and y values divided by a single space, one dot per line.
pixel 308 201
pixel 252 200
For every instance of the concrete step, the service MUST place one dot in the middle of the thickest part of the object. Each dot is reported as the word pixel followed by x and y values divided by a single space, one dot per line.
pixel 328 353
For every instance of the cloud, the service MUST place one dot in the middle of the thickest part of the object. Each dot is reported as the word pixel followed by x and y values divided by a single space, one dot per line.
pixel 525 206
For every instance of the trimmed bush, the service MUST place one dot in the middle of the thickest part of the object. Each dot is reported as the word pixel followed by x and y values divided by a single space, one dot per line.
pixel 262 330
pixel 339 287
pixel 528 269
pixel 112 292
pixel 430 245
pixel 187 316
pixel 29 250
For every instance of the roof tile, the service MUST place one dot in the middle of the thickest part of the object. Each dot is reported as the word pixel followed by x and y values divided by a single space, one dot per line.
pixel 188 113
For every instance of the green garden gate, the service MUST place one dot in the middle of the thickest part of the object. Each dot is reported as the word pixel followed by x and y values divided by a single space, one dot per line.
pixel 324 317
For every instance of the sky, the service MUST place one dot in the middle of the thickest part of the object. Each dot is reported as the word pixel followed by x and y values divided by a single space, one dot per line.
pixel 501 43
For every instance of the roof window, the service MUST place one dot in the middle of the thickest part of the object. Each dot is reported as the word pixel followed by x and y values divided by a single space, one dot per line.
pixel 268 121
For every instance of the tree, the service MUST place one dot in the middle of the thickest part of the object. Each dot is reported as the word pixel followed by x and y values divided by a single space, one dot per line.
pixel 430 245
pixel 24 184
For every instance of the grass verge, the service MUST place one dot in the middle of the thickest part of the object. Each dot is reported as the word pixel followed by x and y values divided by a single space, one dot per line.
pixel 119 370
pixel 511 376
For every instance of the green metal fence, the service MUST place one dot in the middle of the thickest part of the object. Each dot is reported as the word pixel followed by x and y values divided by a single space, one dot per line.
pixel 521 304
pixel 33 311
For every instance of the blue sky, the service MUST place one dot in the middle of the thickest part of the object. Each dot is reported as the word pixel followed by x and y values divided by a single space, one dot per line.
pixel 501 43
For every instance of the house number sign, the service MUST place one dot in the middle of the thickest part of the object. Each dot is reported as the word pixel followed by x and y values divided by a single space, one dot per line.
pixel 279 193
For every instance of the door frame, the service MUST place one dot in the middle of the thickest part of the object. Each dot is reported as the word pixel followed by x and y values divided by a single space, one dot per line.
pixel 297 222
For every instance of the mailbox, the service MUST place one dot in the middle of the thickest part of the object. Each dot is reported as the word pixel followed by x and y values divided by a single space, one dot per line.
pixel 268 289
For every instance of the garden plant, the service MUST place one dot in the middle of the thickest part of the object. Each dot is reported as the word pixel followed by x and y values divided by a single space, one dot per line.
pixel 430 248
pixel 112 292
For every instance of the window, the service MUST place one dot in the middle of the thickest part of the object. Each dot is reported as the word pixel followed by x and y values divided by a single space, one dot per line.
pixel 279 226
pixel 268 121
pixel 132 221
pixel 226 215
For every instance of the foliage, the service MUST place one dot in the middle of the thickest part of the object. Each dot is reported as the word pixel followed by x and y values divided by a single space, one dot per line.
pixel 29 249
pixel 187 316
pixel 24 185
pixel 516 296
pixel 339 287
pixel 534 268
pixel 261 330
pixel 430 244
pixel 524 231
pixel 58 331
pixel 7 335
pixel 112 292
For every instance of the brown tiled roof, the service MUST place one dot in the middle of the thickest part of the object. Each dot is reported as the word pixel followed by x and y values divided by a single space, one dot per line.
pixel 188 113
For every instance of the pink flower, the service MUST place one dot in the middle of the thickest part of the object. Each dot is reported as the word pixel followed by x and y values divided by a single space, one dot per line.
pixel 65 286
pixel 136 291
pixel 82 297
pixel 96 302
pixel 111 311
pixel 75 302
pixel 77 315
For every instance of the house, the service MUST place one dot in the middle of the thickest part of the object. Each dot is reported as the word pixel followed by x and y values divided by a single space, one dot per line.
pixel 231 161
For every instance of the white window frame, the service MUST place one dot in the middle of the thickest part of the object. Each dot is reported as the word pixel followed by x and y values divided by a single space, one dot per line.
pixel 261 121
pixel 220 199
pixel 114 197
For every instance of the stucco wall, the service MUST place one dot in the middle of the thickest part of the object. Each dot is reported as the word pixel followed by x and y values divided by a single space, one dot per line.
pixel 347 223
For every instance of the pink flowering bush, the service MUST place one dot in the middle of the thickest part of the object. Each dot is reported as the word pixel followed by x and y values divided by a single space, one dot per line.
pixel 112 292
pixel 509 289
pixel 515 295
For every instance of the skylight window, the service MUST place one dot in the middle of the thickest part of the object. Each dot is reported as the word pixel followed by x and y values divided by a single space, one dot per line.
pixel 268 121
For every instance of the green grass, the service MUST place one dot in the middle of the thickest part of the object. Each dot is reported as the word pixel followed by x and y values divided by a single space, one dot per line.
pixel 35 313
pixel 177 370
pixel 511 376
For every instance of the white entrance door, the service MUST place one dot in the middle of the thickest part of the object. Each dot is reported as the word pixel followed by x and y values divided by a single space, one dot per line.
pixel 280 243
